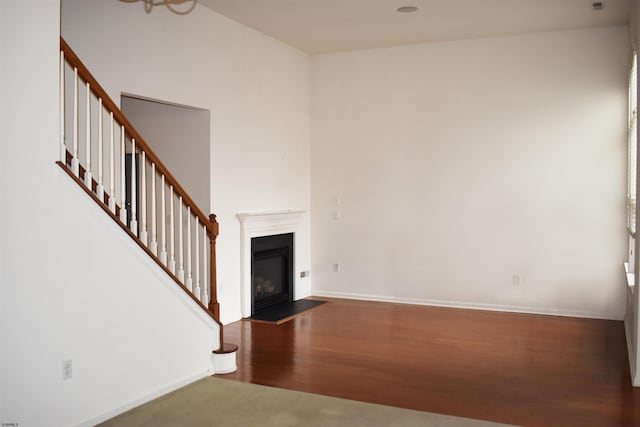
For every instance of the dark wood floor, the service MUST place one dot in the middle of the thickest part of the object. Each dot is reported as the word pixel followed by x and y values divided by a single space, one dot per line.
pixel 519 369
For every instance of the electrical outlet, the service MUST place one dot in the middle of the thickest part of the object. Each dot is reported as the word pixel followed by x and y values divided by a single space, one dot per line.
pixel 516 279
pixel 67 369
pixel 336 267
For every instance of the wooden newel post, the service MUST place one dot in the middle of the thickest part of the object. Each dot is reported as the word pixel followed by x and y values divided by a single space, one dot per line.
pixel 212 232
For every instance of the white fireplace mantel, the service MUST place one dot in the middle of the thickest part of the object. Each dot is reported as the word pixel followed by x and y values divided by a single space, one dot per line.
pixel 258 224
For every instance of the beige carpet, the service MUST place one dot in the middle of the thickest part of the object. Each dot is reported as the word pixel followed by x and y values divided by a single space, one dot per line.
pixel 217 402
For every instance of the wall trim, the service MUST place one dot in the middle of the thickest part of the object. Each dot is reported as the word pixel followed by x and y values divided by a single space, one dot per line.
pixel 145 398
pixel 467 305
pixel 233 317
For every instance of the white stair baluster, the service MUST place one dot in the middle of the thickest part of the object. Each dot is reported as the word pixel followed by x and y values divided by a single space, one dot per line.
pixel 143 199
pixel 123 206
pixel 196 290
pixel 63 147
pixel 87 172
pixel 189 282
pixel 75 165
pixel 112 162
pixel 205 263
pixel 180 244
pixel 134 178
pixel 100 188
pixel 163 223
pixel 172 234
pixel 154 241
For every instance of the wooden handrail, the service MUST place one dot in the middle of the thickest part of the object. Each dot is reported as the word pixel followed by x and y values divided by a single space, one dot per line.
pixel 130 130
pixel 208 221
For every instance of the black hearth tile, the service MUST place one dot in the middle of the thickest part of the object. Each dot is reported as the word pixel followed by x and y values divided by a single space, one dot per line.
pixel 285 310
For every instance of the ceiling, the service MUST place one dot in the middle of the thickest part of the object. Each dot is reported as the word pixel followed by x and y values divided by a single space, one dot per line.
pixel 322 26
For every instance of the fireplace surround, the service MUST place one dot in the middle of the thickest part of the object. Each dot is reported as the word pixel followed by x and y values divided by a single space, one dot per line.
pixel 259 224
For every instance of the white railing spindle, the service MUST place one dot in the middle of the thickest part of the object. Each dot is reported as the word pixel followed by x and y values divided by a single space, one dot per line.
pixel 180 244
pixel 154 241
pixel 134 220
pixel 75 164
pixel 172 234
pixel 87 171
pixel 205 284
pixel 100 188
pixel 123 183
pixel 163 223
pixel 132 209
pixel 63 147
pixel 196 290
pixel 112 162
pixel 143 199
pixel 189 282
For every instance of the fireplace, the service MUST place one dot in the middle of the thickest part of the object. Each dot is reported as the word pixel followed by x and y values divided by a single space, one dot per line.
pixel 271 271
pixel 271 223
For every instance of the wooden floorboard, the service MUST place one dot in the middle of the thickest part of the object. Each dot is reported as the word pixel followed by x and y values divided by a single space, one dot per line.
pixel 520 369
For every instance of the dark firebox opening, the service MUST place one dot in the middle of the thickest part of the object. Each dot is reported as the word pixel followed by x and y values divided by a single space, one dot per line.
pixel 271 271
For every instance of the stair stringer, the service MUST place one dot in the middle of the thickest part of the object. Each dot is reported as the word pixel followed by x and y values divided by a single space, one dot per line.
pixel 133 334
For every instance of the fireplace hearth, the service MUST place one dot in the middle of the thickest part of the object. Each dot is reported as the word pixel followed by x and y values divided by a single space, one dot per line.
pixel 271 271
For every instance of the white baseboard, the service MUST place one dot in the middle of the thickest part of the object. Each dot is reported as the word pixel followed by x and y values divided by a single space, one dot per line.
pixel 230 318
pixel 467 305
pixel 144 399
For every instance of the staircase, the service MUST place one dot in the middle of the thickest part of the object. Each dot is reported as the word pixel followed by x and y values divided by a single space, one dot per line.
pixel 104 154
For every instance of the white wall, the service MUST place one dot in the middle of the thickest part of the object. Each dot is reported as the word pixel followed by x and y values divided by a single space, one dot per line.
pixel 73 286
pixel 180 137
pixel 457 165
pixel 632 315
pixel 257 90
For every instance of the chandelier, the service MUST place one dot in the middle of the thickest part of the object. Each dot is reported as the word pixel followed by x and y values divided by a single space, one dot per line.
pixel 170 4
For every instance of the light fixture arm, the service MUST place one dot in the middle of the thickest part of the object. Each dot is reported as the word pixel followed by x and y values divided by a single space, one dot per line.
pixel 149 4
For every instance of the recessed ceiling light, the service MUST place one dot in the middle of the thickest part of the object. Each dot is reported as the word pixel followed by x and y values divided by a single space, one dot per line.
pixel 407 9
